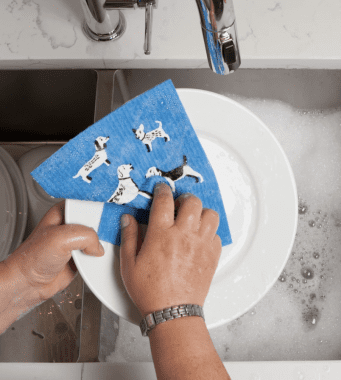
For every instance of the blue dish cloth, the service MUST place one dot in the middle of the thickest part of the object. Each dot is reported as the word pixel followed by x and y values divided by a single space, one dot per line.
pixel 119 159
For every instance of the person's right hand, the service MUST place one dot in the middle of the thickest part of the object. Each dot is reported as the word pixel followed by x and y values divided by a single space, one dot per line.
pixel 177 260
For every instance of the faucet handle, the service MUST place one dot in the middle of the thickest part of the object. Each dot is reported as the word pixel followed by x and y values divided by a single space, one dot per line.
pixel 149 5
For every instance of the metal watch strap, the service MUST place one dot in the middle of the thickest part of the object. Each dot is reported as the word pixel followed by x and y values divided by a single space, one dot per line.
pixel 168 314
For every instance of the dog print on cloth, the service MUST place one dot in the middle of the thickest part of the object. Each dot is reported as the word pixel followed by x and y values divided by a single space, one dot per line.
pixel 127 190
pixel 100 157
pixel 175 174
pixel 149 137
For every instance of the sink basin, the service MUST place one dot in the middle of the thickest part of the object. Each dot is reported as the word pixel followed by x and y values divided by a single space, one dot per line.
pixel 298 318
pixel 45 106
pixel 55 106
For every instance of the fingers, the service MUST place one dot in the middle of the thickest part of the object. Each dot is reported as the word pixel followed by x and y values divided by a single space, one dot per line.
pixel 189 208
pixel 217 249
pixel 129 238
pixel 209 223
pixel 54 217
pixel 162 210
pixel 73 236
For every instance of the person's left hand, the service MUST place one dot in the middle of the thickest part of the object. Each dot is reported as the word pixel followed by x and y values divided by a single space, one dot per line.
pixel 45 259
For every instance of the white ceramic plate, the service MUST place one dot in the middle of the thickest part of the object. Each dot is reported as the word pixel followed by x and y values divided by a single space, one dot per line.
pixel 7 211
pixel 20 195
pixel 260 199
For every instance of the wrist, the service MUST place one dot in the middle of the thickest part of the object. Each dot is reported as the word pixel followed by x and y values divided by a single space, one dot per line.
pixel 18 289
pixel 162 316
pixel 178 326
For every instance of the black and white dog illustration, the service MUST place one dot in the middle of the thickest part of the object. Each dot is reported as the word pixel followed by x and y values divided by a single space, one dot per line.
pixel 149 137
pixel 176 174
pixel 127 190
pixel 100 157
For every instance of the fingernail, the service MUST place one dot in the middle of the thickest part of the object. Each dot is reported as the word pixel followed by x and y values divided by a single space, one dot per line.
pixel 160 187
pixel 124 221
pixel 157 187
pixel 184 195
pixel 101 248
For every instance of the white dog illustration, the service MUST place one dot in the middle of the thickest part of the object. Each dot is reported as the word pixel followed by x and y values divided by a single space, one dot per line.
pixel 175 174
pixel 149 137
pixel 127 190
pixel 99 158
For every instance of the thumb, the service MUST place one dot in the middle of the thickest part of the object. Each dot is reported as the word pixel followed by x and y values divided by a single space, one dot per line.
pixel 54 217
pixel 129 232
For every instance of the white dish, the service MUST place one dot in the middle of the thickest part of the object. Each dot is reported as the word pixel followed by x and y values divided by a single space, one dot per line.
pixel 20 196
pixel 260 199
pixel 7 212
pixel 39 202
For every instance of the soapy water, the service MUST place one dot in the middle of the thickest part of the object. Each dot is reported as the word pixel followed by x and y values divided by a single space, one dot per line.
pixel 300 317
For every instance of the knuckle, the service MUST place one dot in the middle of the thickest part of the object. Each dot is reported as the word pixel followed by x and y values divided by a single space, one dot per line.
pixel 217 246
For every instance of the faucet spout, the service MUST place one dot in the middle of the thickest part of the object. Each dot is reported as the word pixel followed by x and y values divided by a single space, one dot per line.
pixel 220 35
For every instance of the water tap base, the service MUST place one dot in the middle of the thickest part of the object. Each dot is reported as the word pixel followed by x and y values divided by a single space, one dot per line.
pixel 111 36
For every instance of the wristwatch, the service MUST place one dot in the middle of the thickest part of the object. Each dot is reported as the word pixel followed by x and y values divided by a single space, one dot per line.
pixel 168 314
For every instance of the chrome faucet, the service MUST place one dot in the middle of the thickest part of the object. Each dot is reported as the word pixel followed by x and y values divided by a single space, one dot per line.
pixel 217 22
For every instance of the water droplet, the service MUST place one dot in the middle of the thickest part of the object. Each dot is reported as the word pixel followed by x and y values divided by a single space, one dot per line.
pixel 304 281
pixel 319 225
pixel 282 278
pixel 293 278
pixel 307 273
pixel 291 286
pixel 311 317
pixel 302 208
pixel 311 223
pixel 316 255
pixel 298 281
pixel 295 291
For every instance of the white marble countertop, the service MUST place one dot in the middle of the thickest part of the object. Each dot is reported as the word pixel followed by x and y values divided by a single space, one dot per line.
pixel 47 34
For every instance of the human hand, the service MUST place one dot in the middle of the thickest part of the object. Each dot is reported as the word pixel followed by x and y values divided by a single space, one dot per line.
pixel 176 262
pixel 45 259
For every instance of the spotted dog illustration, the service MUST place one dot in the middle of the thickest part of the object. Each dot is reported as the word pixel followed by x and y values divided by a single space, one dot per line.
pixel 176 174
pixel 100 157
pixel 149 137
pixel 127 190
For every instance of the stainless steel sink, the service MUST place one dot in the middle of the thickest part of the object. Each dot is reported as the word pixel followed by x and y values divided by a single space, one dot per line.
pixel 68 101
pixel 51 107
